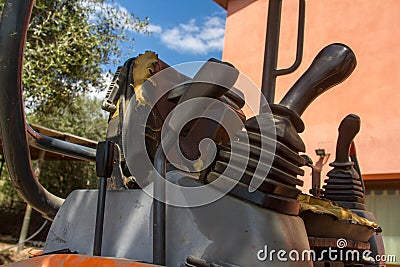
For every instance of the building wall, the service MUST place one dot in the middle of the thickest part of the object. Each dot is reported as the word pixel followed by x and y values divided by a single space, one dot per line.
pixel 372 29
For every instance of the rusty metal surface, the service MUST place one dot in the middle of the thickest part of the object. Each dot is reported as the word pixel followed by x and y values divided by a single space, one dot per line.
pixel 328 226
pixel 317 242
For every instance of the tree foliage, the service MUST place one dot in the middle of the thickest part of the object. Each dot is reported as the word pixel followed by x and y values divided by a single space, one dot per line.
pixel 70 45
pixel 81 117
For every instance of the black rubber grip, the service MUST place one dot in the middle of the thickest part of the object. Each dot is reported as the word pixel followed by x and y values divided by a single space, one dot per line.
pixel 105 157
pixel 331 66
pixel 348 129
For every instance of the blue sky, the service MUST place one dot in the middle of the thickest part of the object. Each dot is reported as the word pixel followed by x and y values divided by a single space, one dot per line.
pixel 182 31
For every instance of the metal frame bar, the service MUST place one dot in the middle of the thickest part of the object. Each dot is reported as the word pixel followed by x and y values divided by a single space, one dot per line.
pixel 100 211
pixel 270 72
pixel 61 147
pixel 159 210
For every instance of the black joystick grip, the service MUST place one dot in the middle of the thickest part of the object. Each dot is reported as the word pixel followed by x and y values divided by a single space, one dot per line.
pixel 105 157
pixel 348 129
pixel 214 79
pixel 331 66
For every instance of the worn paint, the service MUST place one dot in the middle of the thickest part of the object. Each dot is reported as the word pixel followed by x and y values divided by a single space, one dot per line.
pixel 75 260
pixel 143 69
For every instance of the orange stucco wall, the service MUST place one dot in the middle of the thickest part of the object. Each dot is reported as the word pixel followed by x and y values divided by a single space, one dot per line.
pixel 372 29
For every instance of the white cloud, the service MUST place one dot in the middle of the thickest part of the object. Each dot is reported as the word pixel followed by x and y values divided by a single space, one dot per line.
pixel 112 11
pixel 154 28
pixel 190 26
pixel 94 92
pixel 193 37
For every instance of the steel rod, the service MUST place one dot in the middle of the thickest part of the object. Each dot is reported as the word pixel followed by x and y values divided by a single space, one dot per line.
pixel 270 71
pixel 271 50
pixel 61 147
pixel 101 203
pixel 159 210
pixel 300 41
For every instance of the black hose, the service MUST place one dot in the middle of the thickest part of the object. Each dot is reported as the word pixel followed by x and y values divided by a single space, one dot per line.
pixel 13 28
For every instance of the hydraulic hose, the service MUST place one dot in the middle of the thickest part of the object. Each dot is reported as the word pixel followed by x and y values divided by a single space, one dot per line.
pixel 13 27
